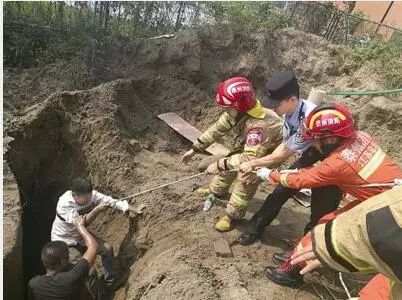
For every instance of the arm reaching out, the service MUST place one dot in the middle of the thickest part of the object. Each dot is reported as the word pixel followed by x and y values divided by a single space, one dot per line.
pixel 90 242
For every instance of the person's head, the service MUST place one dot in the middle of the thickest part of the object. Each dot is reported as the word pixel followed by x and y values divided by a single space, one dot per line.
pixel 81 189
pixel 235 95
pixel 55 256
pixel 328 126
pixel 282 93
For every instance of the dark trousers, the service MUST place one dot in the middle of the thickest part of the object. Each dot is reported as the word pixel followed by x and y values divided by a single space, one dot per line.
pixel 323 200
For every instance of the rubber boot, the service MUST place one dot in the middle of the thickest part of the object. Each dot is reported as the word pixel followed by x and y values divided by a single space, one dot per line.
pixel 285 275
pixel 224 224
pixel 254 230
pixel 203 191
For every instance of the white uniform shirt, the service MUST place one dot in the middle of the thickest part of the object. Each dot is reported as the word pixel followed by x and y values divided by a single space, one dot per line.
pixel 67 210
pixel 293 126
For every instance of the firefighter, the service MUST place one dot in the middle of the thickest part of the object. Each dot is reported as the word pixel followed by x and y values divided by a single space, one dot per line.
pixel 367 239
pixel 355 163
pixel 257 132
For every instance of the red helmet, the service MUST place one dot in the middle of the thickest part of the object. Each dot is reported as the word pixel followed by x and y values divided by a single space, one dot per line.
pixel 329 120
pixel 236 92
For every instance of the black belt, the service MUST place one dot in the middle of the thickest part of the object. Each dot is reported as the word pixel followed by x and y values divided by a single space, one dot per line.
pixel 60 217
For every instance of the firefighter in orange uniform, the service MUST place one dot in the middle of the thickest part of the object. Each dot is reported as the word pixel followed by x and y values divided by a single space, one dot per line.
pixel 355 163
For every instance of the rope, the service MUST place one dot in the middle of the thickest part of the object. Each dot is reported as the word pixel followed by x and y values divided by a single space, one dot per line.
pixel 364 93
pixel 344 285
pixel 163 185
pixel 396 182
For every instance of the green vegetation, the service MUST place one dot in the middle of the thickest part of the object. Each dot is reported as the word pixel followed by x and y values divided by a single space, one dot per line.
pixel 80 34
pixel 386 55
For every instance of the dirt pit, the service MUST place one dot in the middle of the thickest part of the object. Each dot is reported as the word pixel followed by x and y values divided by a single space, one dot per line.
pixel 111 134
pixel 120 144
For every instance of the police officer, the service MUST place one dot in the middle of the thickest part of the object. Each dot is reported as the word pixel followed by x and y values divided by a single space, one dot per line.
pixel 282 95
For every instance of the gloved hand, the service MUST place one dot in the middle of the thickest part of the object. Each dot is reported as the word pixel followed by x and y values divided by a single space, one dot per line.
pixel 121 205
pixel 263 173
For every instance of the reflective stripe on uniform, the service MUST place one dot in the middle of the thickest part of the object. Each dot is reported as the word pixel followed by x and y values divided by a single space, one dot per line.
pixel 252 150
pixel 236 160
pixel 223 125
pixel 372 165
pixel 238 201
pixel 283 180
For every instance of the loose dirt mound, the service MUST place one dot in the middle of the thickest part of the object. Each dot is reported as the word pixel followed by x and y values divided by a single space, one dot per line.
pixel 111 134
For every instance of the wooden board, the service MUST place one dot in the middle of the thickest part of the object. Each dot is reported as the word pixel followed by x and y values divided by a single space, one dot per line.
pixel 190 132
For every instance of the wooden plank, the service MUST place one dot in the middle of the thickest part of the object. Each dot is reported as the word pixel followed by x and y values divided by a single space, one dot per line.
pixel 190 132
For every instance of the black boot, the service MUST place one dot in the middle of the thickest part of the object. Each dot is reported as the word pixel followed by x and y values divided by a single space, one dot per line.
pixel 285 275
pixel 247 238
pixel 280 258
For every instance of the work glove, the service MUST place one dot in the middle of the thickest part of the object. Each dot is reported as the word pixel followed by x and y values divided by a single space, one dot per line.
pixel 263 173
pixel 121 205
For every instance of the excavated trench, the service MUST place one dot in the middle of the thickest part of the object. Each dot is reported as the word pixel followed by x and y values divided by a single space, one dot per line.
pixel 111 134
pixel 43 163
pixel 119 146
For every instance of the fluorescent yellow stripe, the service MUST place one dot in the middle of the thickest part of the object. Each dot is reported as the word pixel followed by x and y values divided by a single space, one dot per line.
pixel 361 268
pixel 326 111
pixel 283 180
pixel 223 125
pixel 372 165
pixel 235 160
pixel 251 150
pixel 238 201
pixel 257 111
pixel 391 285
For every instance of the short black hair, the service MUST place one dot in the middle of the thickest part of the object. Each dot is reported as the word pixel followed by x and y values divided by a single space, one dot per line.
pixel 81 186
pixel 53 253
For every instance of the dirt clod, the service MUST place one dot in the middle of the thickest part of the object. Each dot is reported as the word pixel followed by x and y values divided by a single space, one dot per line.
pixel 222 248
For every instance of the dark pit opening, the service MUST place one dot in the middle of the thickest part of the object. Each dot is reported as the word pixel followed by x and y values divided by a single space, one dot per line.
pixel 44 159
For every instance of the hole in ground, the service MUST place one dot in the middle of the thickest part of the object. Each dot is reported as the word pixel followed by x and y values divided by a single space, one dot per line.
pixel 45 155
pixel 43 161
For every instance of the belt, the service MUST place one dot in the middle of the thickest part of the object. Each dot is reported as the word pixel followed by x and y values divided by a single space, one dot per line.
pixel 60 217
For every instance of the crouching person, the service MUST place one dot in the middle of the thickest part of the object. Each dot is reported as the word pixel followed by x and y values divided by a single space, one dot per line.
pixel 257 131
pixel 62 279
pixel 83 200
pixel 365 239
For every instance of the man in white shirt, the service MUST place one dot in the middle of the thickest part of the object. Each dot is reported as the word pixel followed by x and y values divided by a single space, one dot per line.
pixel 83 200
